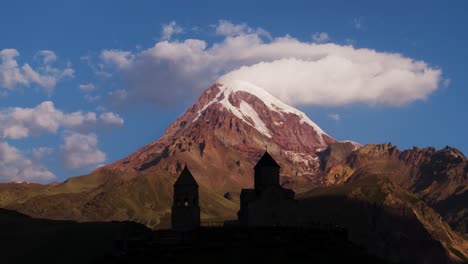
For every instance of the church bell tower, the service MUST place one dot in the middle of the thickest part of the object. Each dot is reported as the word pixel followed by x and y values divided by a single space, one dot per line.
pixel 266 172
pixel 185 208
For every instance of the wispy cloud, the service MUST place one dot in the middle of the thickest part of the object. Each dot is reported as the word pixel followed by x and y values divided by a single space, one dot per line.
pixel 171 29
pixel 226 28
pixel 47 56
pixel 118 58
pixel 358 23
pixel 320 37
pixel 446 82
pixel 335 117
pixel 87 87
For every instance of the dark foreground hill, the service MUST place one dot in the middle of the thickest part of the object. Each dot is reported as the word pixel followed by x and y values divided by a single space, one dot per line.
pixel 27 240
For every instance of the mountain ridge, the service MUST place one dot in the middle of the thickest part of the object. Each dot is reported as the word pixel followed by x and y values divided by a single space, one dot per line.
pixel 439 177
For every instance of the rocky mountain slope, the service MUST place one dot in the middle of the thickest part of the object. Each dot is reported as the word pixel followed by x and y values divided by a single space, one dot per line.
pixel 386 219
pixel 439 177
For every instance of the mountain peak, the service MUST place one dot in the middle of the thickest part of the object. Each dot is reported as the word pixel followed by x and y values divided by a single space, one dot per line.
pixel 231 96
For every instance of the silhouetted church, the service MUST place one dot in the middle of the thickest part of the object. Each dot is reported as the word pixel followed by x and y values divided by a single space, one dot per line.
pixel 268 204
pixel 185 208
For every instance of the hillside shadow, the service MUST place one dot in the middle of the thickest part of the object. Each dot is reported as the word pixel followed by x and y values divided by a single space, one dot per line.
pixel 26 240
pixel 394 234
pixel 454 209
pixel 29 240
pixel 248 245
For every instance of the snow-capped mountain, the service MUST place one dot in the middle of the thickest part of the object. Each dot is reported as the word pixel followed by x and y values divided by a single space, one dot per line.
pixel 226 131
pixel 230 98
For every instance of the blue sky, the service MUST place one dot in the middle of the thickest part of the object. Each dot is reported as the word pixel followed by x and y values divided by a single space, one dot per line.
pixel 52 129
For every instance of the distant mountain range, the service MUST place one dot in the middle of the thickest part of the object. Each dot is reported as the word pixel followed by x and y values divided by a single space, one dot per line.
pixel 395 203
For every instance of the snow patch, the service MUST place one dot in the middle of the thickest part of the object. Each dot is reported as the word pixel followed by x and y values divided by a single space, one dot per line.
pixel 356 145
pixel 278 123
pixel 258 124
pixel 298 157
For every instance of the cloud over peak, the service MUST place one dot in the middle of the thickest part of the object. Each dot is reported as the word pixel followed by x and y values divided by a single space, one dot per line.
pixel 295 71
pixel 338 80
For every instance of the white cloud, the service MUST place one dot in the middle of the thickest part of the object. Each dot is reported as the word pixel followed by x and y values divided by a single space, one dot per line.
pixel 78 119
pixel 118 58
pixel 320 37
pixel 91 99
pixel 335 117
pixel 294 71
pixel 40 152
pixel 13 75
pixel 80 151
pixel 10 72
pixel 339 80
pixel 171 29
pixel 87 87
pixel 48 56
pixel 67 72
pixel 119 96
pixel 15 167
pixel 20 122
pixel 45 81
pixel 97 68
pixel 226 28
pixel 111 119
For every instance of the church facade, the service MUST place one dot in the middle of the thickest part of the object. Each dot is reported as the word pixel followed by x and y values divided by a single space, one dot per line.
pixel 268 204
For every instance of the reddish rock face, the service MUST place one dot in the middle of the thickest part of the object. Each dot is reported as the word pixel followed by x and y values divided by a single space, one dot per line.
pixel 439 177
pixel 226 131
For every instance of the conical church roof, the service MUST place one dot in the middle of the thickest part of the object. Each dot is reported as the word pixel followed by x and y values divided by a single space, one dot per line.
pixel 267 161
pixel 185 178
